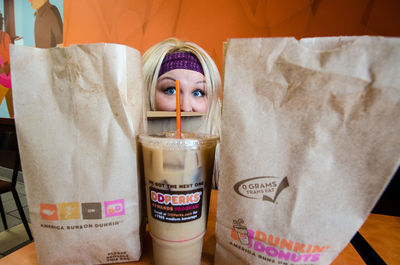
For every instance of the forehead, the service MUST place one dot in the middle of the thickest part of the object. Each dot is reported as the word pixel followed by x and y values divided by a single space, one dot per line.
pixel 182 75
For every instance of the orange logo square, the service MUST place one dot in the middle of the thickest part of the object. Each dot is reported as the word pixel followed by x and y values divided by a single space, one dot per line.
pixel 69 210
pixel 48 211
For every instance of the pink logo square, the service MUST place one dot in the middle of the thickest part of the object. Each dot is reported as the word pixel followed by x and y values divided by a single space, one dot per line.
pixel 114 208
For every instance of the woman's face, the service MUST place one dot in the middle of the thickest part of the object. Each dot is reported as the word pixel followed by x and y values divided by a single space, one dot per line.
pixel 192 88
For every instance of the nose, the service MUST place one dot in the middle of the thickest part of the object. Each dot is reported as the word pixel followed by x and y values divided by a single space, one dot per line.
pixel 186 104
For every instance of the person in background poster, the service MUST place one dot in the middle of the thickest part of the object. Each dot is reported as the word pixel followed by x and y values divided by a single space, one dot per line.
pixel 5 41
pixel 5 77
pixel 48 24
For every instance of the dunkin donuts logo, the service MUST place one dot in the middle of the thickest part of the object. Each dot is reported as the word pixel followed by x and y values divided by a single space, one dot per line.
pixel 266 188
pixel 85 211
pixel 114 208
pixel 273 248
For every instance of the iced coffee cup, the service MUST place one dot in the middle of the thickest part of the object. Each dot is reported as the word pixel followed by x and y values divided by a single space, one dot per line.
pixel 178 175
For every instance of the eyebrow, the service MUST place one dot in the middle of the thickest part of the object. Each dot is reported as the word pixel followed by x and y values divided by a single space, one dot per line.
pixel 173 79
pixel 167 77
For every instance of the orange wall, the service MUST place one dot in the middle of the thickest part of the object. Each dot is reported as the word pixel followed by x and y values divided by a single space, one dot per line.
pixel 142 23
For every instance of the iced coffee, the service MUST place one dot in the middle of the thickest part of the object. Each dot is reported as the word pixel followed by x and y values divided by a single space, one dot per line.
pixel 178 175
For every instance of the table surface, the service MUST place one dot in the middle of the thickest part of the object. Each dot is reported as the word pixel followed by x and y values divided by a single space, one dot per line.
pixel 381 231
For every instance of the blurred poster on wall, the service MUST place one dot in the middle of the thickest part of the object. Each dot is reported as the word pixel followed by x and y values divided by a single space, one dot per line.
pixel 36 23
pixel 209 23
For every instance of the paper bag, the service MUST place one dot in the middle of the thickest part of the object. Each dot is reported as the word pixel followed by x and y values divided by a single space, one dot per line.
pixel 78 111
pixel 310 138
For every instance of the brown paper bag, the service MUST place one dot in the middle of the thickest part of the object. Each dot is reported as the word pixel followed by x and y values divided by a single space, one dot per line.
pixel 78 111
pixel 310 138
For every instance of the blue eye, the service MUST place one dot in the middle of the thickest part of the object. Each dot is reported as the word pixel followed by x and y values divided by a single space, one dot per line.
pixel 170 91
pixel 198 93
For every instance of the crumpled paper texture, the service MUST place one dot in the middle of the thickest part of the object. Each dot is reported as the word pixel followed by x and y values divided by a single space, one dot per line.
pixel 309 142
pixel 78 111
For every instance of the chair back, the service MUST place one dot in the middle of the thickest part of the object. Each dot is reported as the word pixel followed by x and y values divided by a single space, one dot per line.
pixel 9 143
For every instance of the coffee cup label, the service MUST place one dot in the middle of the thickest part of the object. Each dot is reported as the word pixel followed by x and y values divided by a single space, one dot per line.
pixel 176 206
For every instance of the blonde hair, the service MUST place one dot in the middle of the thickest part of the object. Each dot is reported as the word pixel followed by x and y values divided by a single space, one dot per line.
pixel 152 60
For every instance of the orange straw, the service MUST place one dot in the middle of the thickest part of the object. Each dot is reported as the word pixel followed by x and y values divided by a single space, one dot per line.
pixel 178 109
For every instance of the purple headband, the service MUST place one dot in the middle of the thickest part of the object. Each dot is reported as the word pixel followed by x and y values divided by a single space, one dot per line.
pixel 180 60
